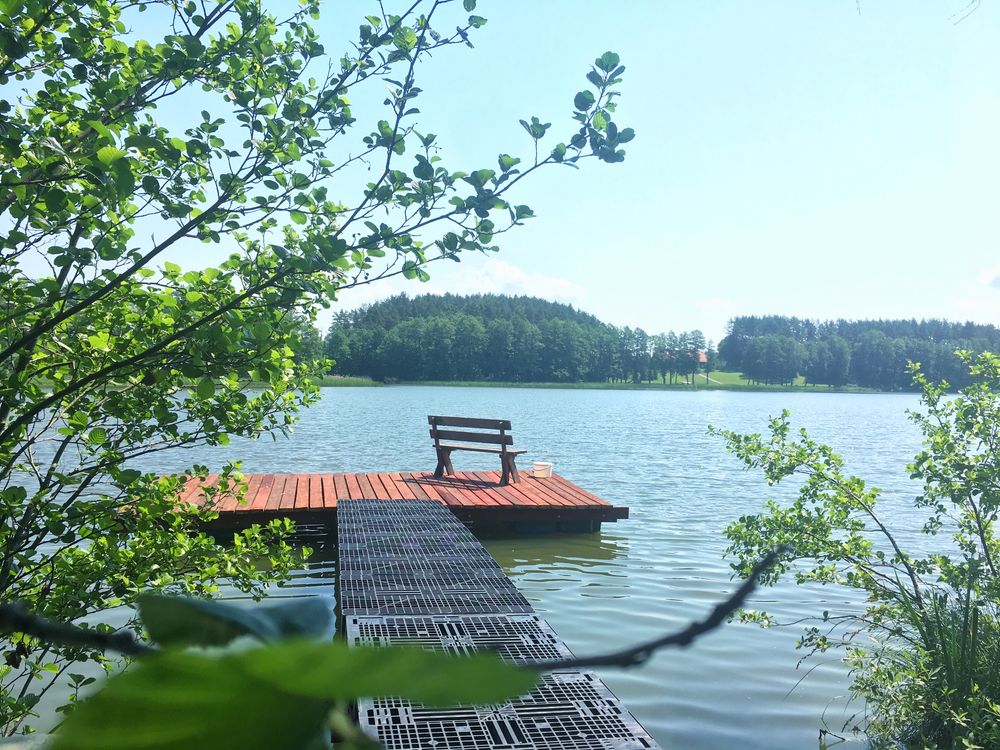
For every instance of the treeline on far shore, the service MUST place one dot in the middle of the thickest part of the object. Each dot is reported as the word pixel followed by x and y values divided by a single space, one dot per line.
pixel 508 339
pixel 867 353
pixel 505 339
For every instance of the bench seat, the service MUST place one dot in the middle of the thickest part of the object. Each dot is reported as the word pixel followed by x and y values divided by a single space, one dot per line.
pixel 482 449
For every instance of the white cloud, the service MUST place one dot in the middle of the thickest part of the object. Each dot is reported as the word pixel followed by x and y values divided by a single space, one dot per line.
pixel 496 276
pixel 990 277
pixel 982 301
pixel 714 314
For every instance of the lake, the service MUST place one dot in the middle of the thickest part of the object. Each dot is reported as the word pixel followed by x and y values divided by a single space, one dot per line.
pixel 740 686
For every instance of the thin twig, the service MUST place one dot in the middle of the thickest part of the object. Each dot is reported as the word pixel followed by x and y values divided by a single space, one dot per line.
pixel 16 619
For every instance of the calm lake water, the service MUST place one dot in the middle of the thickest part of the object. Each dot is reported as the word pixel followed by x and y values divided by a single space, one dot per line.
pixel 739 686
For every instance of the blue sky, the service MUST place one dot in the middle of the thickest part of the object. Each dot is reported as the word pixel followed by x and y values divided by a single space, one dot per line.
pixel 796 158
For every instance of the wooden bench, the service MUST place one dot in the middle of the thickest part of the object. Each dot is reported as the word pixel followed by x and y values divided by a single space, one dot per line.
pixel 494 437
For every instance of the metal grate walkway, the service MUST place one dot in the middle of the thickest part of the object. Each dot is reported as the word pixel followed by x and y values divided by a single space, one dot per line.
pixel 411 574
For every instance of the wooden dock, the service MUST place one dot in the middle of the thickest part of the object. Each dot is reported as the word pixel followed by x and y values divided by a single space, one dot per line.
pixel 476 497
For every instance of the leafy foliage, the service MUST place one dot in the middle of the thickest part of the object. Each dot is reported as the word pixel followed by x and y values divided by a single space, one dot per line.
pixel 110 352
pixel 923 650
pixel 497 337
pixel 868 353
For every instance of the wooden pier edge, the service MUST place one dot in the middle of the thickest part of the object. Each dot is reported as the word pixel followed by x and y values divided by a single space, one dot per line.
pixel 477 499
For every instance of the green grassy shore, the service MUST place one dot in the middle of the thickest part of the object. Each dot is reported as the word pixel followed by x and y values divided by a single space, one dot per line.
pixel 346 381
pixel 717 381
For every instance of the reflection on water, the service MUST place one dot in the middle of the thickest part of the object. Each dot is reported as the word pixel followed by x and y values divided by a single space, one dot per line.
pixel 574 564
pixel 316 579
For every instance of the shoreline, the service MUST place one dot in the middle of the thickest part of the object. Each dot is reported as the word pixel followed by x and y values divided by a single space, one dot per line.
pixel 361 383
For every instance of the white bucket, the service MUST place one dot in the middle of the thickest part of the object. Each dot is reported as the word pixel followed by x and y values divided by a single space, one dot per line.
pixel 541 469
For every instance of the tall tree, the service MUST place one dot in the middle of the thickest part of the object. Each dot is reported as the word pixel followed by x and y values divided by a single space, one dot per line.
pixel 110 351
pixel 696 346
pixel 711 359
pixel 337 348
pixel 840 361
pixel 819 363
pixel 308 345
pixel 660 356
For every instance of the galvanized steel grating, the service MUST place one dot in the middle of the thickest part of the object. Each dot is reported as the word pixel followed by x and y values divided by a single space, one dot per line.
pixel 438 568
pixel 351 539
pixel 364 564
pixel 406 580
pixel 356 598
pixel 390 526
pixel 411 575
pixel 521 639
pixel 570 710
pixel 441 546
pixel 351 510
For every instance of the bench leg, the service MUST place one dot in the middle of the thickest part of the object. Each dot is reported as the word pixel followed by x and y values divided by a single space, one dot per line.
pixel 509 470
pixel 444 463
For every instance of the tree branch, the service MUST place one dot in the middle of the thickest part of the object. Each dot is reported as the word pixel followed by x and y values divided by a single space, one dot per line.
pixel 15 619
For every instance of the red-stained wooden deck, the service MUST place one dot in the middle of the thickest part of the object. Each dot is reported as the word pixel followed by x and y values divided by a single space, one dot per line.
pixel 474 496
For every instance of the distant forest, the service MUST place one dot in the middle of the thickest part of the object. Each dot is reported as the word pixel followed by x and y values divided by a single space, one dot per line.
pixel 868 353
pixel 503 338
pixel 525 339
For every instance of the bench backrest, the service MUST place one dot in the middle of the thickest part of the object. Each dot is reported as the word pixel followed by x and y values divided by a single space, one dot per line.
pixel 492 431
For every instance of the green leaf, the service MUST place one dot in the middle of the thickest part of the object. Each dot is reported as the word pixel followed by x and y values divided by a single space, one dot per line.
pixel 626 135
pixel 100 341
pixel 469 5
pixel 97 436
pixel 128 476
pixel 336 672
pixel 508 162
pixel 424 170
pixel 109 154
pixel 583 101
pixel 607 62
pixel 479 178
pixel 405 39
pixel 180 701
pixel 101 129
pixel 205 388
pixel 276 696
pixel 183 621
pixel 297 217
pixel 124 180
pixel 536 129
